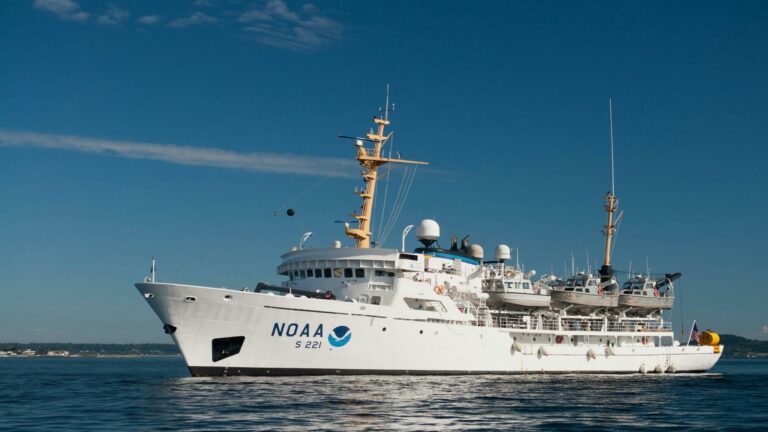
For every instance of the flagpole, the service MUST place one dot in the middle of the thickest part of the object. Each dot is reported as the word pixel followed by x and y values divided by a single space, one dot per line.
pixel 691 333
pixel 153 270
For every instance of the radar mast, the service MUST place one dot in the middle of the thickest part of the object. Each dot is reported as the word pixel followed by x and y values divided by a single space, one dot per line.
pixel 370 159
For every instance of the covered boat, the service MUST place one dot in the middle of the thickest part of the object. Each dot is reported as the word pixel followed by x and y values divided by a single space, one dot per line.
pixel 643 295
pixel 510 288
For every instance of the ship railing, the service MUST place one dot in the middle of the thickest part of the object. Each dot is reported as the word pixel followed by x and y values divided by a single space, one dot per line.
pixel 524 322
pixel 513 322
pixel 583 324
pixel 639 326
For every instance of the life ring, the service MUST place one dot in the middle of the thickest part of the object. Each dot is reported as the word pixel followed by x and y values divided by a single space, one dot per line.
pixel 656 292
pixel 439 289
pixel 559 339
pixel 644 340
pixel 509 273
pixel 599 290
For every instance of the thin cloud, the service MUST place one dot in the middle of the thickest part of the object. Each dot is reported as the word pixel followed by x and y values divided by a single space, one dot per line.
pixel 113 16
pixel 185 155
pixel 63 9
pixel 196 18
pixel 275 24
pixel 765 329
pixel 148 20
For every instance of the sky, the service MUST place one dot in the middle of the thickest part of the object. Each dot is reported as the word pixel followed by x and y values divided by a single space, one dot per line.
pixel 185 129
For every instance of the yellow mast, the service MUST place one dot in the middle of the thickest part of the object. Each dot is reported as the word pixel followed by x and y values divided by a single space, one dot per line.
pixel 370 159
pixel 611 203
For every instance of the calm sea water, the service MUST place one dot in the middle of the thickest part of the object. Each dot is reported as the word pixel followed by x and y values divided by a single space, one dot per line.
pixel 158 394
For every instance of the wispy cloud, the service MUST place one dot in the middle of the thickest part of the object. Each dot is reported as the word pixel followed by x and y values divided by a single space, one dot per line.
pixel 185 155
pixel 148 20
pixel 194 19
pixel 63 9
pixel 275 24
pixel 113 16
pixel 268 22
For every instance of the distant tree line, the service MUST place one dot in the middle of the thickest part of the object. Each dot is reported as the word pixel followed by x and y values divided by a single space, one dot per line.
pixel 737 346
pixel 94 349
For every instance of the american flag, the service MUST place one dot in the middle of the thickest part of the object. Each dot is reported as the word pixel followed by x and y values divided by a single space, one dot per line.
pixel 695 333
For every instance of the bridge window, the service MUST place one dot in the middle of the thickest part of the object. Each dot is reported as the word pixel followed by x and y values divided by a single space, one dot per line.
pixel 303 274
pixel 375 300
pixel 348 273
pixel 425 305
pixel 327 272
pixel 359 273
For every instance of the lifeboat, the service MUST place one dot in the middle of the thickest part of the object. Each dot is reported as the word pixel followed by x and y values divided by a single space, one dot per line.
pixel 584 293
pixel 643 295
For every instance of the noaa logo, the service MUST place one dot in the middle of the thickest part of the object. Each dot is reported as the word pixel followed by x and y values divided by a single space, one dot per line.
pixel 339 336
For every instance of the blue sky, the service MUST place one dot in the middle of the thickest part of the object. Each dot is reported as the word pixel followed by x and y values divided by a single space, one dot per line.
pixel 178 128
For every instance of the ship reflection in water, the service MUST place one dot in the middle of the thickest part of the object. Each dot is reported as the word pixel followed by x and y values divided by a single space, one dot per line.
pixel 156 394
pixel 572 401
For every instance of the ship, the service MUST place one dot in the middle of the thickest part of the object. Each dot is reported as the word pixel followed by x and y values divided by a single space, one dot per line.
pixel 365 309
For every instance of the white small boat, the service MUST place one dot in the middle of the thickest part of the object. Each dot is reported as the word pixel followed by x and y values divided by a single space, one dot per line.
pixel 511 289
pixel 644 295
pixel 584 293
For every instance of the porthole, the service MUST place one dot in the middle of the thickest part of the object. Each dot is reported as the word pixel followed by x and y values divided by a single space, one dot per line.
pixel 384 329
pixel 190 299
pixel 148 295
pixel 421 331
pixel 227 297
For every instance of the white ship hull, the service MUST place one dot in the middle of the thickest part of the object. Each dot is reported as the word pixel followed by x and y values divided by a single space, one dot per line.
pixel 292 336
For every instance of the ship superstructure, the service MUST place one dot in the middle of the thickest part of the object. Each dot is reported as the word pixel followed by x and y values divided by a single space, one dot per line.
pixel 372 310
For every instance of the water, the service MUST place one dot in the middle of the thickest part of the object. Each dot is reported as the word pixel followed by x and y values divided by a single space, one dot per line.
pixel 158 394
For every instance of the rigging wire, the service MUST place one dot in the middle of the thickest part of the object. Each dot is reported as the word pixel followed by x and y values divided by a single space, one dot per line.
pixel 682 322
pixel 396 201
pixel 386 189
pixel 408 182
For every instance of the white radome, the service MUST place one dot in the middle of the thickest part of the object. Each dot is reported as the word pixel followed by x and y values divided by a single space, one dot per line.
pixel 503 252
pixel 476 251
pixel 428 230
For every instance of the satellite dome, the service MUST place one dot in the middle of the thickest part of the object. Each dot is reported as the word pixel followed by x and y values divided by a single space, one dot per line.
pixel 427 232
pixel 476 251
pixel 503 252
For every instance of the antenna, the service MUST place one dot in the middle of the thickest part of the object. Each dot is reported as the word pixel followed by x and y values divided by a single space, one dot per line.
pixel 573 264
pixel 610 118
pixel 386 105
pixel 611 205
pixel 589 267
